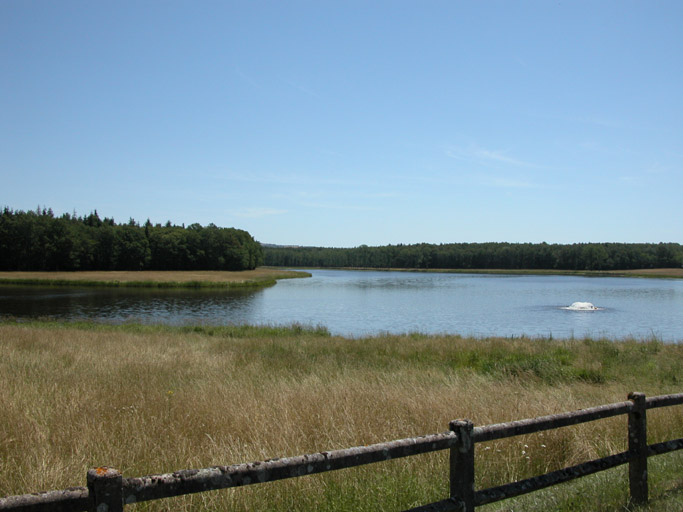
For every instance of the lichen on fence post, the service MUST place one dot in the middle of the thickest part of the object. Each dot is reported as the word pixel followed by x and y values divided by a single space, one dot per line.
pixel 462 465
pixel 637 447
pixel 105 488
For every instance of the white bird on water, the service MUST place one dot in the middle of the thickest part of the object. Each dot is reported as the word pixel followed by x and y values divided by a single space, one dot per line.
pixel 582 306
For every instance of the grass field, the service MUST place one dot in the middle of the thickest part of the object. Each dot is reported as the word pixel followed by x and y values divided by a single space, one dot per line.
pixel 154 399
pixel 154 279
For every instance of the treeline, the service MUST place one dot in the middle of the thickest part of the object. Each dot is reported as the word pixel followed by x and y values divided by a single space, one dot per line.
pixel 39 240
pixel 587 256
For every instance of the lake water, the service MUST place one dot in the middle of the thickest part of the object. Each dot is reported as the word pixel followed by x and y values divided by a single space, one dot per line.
pixel 356 303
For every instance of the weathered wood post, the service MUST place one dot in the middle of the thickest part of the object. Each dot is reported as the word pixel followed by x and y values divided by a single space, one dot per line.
pixel 462 465
pixel 105 489
pixel 637 446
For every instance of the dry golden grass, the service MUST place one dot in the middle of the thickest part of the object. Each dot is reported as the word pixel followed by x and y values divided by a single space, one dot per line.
pixel 646 272
pixel 153 401
pixel 150 276
pixel 653 272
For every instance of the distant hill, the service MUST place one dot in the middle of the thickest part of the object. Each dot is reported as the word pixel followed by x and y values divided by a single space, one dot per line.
pixel 281 246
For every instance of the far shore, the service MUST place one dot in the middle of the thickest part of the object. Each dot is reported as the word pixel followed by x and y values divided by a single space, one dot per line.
pixel 154 279
pixel 264 276
pixel 669 273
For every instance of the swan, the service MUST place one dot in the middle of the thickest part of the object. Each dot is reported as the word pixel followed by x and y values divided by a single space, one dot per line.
pixel 582 306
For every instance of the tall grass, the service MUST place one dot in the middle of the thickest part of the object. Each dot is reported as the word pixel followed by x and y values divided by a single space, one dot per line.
pixel 152 399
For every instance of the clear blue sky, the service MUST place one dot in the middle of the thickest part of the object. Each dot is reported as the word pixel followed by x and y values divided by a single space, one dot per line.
pixel 340 123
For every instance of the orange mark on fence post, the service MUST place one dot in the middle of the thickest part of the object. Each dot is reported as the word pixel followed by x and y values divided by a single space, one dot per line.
pixel 105 489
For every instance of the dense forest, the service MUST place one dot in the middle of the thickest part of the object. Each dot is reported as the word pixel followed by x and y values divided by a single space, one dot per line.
pixel 588 256
pixel 39 240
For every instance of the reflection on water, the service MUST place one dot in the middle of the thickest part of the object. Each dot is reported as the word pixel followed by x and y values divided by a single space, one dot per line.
pixel 127 304
pixel 356 303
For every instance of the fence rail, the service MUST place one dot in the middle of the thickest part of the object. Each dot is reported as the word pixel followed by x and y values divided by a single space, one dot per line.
pixel 529 426
pixel 108 490
pixel 221 477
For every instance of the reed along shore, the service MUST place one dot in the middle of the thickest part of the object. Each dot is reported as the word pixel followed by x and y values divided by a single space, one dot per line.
pixel 153 399
pixel 154 279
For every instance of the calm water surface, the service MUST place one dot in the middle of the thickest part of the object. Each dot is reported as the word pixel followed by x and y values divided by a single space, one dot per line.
pixel 355 303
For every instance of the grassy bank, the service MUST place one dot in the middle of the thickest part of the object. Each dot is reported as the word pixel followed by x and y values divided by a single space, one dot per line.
pixel 152 399
pixel 153 279
pixel 651 272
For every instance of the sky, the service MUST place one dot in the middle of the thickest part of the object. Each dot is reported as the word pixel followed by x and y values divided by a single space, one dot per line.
pixel 341 123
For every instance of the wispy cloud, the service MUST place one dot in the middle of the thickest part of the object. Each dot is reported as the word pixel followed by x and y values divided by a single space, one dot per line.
pixel 248 79
pixel 257 213
pixel 340 206
pixel 646 173
pixel 587 119
pixel 523 63
pixel 470 179
pixel 317 182
pixel 500 182
pixel 496 159
pixel 301 88
pixel 656 168
pixel 382 195
pixel 601 122
pixel 498 156
pixel 485 156
pixel 592 145
pixel 278 81
pixel 283 179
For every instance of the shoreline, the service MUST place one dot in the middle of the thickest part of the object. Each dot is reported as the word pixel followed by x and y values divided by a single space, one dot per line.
pixel 260 277
pixel 650 273
pixel 266 276
pixel 243 330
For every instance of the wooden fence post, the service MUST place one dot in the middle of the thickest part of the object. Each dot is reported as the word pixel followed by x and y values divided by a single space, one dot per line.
pixel 105 489
pixel 637 447
pixel 462 465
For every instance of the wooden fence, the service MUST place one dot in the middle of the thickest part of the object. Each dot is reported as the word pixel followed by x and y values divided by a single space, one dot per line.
pixel 108 491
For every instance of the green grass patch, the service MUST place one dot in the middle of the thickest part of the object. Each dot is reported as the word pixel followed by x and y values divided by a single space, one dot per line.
pixel 541 360
pixel 219 331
